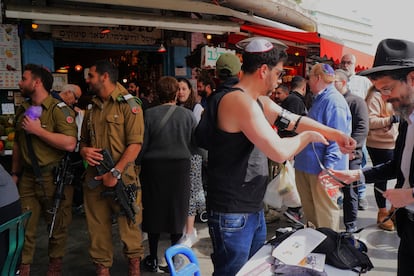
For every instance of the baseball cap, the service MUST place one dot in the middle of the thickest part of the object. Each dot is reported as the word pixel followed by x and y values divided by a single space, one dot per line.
pixel 230 62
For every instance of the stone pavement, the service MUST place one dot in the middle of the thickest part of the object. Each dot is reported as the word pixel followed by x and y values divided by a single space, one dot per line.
pixel 382 246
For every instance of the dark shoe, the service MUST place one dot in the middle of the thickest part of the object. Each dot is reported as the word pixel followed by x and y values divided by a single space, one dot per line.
pixel 55 267
pixel 362 204
pixel 150 264
pixel 133 267
pixel 102 270
pixel 24 270
pixel 178 264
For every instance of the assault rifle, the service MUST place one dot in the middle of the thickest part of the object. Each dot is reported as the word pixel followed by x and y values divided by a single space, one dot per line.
pixel 125 195
pixel 63 176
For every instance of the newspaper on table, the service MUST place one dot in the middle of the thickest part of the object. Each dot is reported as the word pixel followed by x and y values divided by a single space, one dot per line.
pixel 298 246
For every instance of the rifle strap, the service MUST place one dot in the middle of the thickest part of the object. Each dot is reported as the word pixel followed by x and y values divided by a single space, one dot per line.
pixel 165 119
pixel 33 158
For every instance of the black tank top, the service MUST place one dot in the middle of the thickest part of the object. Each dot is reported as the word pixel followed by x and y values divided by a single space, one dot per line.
pixel 237 171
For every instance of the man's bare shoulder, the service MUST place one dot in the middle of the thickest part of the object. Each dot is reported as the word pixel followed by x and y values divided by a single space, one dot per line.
pixel 237 96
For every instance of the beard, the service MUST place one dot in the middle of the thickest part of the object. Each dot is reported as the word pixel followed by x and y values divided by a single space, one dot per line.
pixel 202 93
pixel 406 106
pixel 26 93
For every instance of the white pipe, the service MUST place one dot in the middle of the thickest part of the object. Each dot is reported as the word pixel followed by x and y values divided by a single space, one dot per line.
pixel 278 10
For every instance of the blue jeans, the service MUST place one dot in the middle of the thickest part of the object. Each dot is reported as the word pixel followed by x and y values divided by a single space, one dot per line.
pixel 235 237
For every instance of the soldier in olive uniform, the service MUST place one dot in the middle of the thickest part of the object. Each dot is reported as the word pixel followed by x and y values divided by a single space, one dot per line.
pixel 114 122
pixel 51 133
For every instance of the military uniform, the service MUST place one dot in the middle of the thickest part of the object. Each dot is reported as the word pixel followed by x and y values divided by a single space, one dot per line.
pixel 113 124
pixel 38 197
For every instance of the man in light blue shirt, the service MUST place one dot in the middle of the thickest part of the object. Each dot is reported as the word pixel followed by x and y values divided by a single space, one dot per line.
pixel 329 108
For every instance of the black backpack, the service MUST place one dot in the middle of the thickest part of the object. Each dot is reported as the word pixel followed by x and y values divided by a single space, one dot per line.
pixel 344 251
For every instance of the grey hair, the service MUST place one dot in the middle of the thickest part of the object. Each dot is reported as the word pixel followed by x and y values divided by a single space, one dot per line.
pixel 342 74
pixel 70 87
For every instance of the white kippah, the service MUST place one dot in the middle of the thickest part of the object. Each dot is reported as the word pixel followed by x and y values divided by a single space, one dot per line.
pixel 259 45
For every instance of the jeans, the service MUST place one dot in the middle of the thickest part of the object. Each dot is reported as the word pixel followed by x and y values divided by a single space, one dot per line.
pixel 235 237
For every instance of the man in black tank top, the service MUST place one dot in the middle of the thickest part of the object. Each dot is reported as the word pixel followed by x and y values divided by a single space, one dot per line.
pixel 241 141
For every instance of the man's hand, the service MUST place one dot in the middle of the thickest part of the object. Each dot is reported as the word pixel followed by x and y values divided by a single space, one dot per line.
pixel 339 178
pixel 399 197
pixel 31 126
pixel 346 143
pixel 92 155
pixel 108 179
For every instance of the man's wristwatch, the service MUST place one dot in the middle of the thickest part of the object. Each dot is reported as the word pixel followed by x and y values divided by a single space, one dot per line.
pixel 116 173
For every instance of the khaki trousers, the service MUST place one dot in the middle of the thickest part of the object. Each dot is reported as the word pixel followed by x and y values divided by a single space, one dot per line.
pixel 317 205
pixel 99 210
pixel 39 199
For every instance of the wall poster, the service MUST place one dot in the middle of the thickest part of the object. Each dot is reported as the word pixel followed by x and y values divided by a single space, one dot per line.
pixel 10 59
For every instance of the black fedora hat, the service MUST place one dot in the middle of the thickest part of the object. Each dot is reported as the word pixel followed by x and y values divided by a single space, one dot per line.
pixel 392 54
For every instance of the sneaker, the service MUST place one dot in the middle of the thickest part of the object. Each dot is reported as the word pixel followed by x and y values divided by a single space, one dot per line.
pixel 351 230
pixel 362 204
pixel 189 239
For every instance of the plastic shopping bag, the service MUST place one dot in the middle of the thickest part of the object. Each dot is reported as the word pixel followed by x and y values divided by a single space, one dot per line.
pixel 282 189
pixel 287 187
pixel 272 196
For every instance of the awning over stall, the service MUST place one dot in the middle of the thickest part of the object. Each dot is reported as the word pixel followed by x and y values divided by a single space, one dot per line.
pixel 328 48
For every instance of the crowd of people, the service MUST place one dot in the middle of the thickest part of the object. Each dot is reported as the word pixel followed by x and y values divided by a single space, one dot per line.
pixel 225 133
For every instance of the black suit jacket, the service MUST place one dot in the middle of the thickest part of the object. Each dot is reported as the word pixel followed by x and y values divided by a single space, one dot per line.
pixel 392 168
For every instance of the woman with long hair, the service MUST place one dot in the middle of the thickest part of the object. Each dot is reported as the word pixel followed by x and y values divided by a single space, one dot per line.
pixel 187 98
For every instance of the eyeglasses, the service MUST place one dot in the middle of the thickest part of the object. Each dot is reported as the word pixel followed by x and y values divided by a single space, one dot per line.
pixel 74 95
pixel 346 62
pixel 280 73
pixel 387 90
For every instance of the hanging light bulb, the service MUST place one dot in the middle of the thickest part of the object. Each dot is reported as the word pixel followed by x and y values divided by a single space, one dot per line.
pixel 78 67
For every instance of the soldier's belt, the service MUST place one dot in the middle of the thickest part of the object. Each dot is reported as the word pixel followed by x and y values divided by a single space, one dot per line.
pixel 44 169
